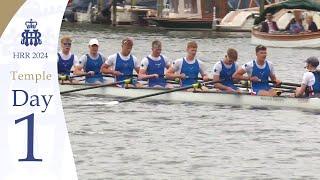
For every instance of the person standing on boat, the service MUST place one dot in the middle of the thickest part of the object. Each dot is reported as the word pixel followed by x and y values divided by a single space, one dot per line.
pixel 122 64
pixel 223 71
pixel 269 26
pixel 66 59
pixel 188 68
pixel 153 66
pixel 310 86
pixel 90 64
pixel 259 71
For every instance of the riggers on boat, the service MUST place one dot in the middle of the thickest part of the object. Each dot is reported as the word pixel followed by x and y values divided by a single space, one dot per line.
pixel 212 97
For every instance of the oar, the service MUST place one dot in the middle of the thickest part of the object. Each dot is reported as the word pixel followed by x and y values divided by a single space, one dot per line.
pixel 66 77
pixel 196 85
pixel 287 83
pixel 127 81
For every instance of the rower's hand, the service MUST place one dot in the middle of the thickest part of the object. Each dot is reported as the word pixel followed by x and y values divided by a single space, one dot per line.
pixel 277 83
pixel 155 76
pixel 254 79
pixel 117 73
pixel 182 76
pixel 205 78
pixel 91 73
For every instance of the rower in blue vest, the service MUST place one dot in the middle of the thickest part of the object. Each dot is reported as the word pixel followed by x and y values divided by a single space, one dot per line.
pixel 223 71
pixel 66 59
pixel 90 64
pixel 310 86
pixel 188 68
pixel 153 67
pixel 259 71
pixel 122 64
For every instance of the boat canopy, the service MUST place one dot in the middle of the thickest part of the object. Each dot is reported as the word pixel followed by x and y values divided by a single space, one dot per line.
pixel 290 4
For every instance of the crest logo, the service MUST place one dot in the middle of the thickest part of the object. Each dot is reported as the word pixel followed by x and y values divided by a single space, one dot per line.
pixel 31 36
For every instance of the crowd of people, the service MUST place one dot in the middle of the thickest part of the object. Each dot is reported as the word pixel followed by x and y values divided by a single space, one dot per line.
pixel 156 68
pixel 295 25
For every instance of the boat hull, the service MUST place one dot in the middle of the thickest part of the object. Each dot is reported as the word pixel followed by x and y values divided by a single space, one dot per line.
pixel 181 23
pixel 310 40
pixel 203 97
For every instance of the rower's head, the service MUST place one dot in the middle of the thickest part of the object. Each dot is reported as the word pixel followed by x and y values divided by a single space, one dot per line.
pixel 126 46
pixel 312 63
pixel 269 16
pixel 66 44
pixel 231 57
pixel 192 47
pixel 156 48
pixel 93 46
pixel 261 53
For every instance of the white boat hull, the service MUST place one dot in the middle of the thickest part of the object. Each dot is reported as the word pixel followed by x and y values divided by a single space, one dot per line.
pixel 209 97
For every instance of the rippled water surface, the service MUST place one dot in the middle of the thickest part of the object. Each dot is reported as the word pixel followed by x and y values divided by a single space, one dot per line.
pixel 168 140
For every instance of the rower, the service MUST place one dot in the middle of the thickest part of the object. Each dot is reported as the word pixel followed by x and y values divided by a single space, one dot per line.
pixel 259 71
pixel 122 64
pixel 223 71
pixel 90 64
pixel 310 86
pixel 188 68
pixel 66 59
pixel 153 67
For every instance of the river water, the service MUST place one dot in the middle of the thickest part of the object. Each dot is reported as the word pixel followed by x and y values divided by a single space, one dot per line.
pixel 170 140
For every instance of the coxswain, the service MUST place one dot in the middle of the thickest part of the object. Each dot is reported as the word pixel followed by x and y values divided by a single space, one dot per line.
pixel 310 86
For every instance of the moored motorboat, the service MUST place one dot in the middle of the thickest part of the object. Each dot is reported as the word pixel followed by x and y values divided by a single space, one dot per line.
pixel 201 97
pixel 282 13
pixel 240 20
pixel 283 39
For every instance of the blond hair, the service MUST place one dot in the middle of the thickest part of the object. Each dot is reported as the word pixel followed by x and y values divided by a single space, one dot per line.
pixel 65 38
pixel 192 44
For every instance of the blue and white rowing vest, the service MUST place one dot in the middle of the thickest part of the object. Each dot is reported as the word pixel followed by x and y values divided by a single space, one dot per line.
pixel 64 66
pixel 125 67
pixel 156 67
pixel 315 88
pixel 94 65
pixel 263 75
pixel 226 75
pixel 191 71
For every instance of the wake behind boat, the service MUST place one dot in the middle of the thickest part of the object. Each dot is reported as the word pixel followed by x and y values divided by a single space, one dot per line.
pixel 210 96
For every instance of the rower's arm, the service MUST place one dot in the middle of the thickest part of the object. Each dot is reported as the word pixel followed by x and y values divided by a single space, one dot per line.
pixel 300 90
pixel 143 75
pixel 137 69
pixel 106 69
pixel 216 78
pixel 78 70
pixel 274 79
pixel 239 75
pixel 170 74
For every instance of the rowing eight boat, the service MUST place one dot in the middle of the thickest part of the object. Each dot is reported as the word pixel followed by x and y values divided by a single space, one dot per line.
pixel 202 97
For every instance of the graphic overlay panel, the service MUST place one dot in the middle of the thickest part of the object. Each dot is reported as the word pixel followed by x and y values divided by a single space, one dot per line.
pixel 33 133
